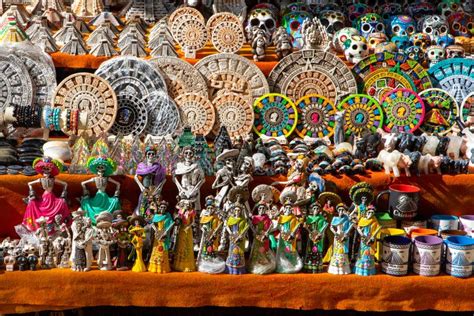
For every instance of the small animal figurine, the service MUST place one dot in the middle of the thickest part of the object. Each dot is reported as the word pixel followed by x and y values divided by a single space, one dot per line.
pixel 368 229
pixel 394 161
pixel 428 163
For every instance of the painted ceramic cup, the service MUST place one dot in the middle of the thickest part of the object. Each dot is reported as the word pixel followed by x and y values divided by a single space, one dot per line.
pixel 403 200
pixel 395 255
pixel 385 232
pixel 459 256
pixel 408 225
pixel 427 255
pixel 467 222
pixel 444 222
pixel 385 220
pixel 422 232
pixel 445 234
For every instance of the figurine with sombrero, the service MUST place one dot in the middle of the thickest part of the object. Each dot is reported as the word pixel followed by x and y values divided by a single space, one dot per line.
pixel 296 179
pixel 341 226
pixel 78 254
pixel 316 225
pixel 368 228
pixel 236 227
pixel 362 194
pixel 225 176
pixel 122 236
pixel 48 205
pixel 184 260
pixel 161 224
pixel 105 238
pixel 102 167
pixel 137 233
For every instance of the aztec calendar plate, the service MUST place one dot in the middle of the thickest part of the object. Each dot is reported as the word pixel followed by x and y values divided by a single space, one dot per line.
pixel 232 73
pixel 467 107
pixel 315 116
pixel 361 113
pixel 235 112
pixel 132 116
pixel 441 111
pixel 133 76
pixel 163 114
pixel 275 115
pixel 89 93
pixel 181 77
pixel 16 88
pixel 228 37
pixel 187 11
pixel 455 76
pixel 381 73
pixel 404 110
pixel 196 112
pixel 312 72
pixel 190 34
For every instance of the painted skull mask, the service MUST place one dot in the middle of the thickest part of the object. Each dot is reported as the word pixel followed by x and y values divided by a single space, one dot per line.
pixel 375 39
pixel 341 36
pixel 461 24
pixel 356 10
pixel 455 51
pixel 420 9
pixel 434 25
pixel 296 7
pixel 415 53
pixel 402 25
pixel 388 10
pixel 402 42
pixel 435 54
pixel 421 40
pixel 292 23
pixel 264 19
pixel 370 23
pixel 355 49
pixel 388 47
pixel 445 40
pixel 333 20
pixel 448 7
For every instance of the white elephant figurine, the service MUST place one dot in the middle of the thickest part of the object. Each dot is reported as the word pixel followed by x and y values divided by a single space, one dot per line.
pixel 469 142
pixel 394 161
pixel 428 163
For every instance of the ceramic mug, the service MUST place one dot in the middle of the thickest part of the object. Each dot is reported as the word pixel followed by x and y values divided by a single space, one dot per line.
pixel 409 225
pixel 403 200
pixel 395 255
pixel 385 220
pixel 459 256
pixel 444 222
pixel 427 255
pixel 422 232
pixel 467 222
pixel 385 232
pixel 445 234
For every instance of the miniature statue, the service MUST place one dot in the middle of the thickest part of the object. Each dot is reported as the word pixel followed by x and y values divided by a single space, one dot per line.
pixel 32 258
pixel 152 181
pixel 61 242
pixel 208 259
pixel 22 261
pixel 287 258
pixel 123 241
pixel 237 227
pixel 282 42
pixel 89 237
pixel 45 244
pixel 262 259
pixel 243 179
pixel 368 228
pixel 137 232
pixel 316 225
pixel 92 206
pixel 361 194
pixel 79 254
pixel 104 238
pixel 192 178
pixel 162 224
pixel 184 253
pixel 259 44
pixel 314 35
pixel 339 128
pixel 393 161
pixel 10 259
pixel 225 176
pixel 48 205
pixel 341 227
pixel 296 179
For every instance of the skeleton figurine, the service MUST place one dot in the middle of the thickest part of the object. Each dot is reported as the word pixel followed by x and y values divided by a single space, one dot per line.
pixel 46 256
pixel 282 42
pixel 243 179
pixel 259 44
pixel 61 242
pixel 315 35
pixel 225 176
pixel 78 236
pixel 105 238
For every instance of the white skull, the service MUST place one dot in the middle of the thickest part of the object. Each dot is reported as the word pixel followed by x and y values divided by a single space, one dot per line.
pixel 435 25
pixel 262 18
pixel 435 54
pixel 455 51
pixel 341 36
pixel 355 49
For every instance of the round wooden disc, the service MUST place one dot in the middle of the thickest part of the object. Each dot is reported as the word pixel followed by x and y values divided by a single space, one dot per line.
pixel 191 35
pixel 441 111
pixel 275 115
pixel 361 113
pixel 89 93
pixel 196 112
pixel 235 112
pixel 316 116
pixel 228 37
pixel 404 110
pixel 218 18
pixel 189 11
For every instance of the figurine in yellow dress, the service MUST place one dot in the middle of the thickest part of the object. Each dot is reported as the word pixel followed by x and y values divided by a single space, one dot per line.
pixel 137 232
pixel 184 254
pixel 162 224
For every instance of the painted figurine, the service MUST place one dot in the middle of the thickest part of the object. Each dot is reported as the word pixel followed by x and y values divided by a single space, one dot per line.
pixel 105 238
pixel 316 225
pixel 262 259
pixel 77 220
pixel 89 238
pixel 184 253
pixel 162 223
pixel 45 244
pixel 225 176
pixel 341 227
pixel 78 237
pixel 208 259
pixel 123 241
pixel 48 205
pixel 61 242
pixel 368 228
pixel 153 178
pixel 243 179
pixel 92 206
pixel 287 258
pixel 137 233
pixel 296 178
pixel 237 227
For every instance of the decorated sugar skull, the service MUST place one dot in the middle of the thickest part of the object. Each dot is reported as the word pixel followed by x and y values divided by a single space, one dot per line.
pixel 375 39
pixel 296 7
pixel 388 10
pixel 356 10
pixel 355 49
pixel 415 53
pixel 421 40
pixel 370 23
pixel 262 18
pixel 341 36
pixel 402 25
pixel 388 47
pixel 292 23
pixel 434 25
pixel 455 51
pixel 461 24
pixel 445 40
pixel 333 20
pixel 448 7
pixel 421 8
pixel 435 54
pixel 402 42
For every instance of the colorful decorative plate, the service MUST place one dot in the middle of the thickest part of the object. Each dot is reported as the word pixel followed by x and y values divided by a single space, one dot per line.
pixel 275 115
pixel 455 76
pixel 404 110
pixel 361 113
pixel 315 116
pixel 441 111
pixel 467 107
